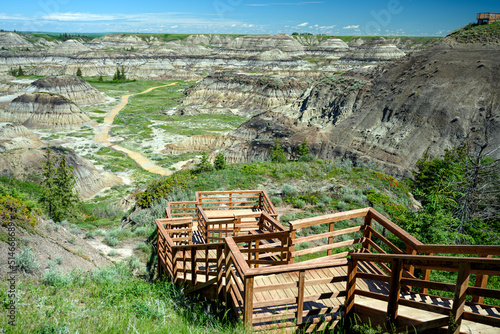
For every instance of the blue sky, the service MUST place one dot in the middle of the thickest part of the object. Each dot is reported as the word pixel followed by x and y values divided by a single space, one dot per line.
pixel 347 17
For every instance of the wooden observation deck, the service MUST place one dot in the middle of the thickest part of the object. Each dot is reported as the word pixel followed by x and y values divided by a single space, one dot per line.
pixel 487 18
pixel 230 246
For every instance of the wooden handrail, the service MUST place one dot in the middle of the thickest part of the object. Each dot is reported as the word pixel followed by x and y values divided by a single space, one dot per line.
pixel 287 268
pixel 335 217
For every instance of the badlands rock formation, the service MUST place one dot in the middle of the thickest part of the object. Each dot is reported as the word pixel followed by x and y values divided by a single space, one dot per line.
pixel 16 41
pixel 427 102
pixel 151 57
pixel 72 87
pixel 69 47
pixel 375 50
pixel 16 136
pixel 44 110
pixel 241 94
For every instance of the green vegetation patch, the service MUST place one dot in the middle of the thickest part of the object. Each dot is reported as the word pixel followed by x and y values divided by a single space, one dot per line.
pixel 473 33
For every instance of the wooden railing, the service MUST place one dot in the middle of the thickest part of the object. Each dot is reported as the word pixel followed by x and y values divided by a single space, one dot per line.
pixel 461 289
pixel 269 251
pixel 231 200
pixel 330 246
pixel 181 209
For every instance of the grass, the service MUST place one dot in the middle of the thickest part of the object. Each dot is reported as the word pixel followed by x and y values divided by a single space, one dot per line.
pixel 109 300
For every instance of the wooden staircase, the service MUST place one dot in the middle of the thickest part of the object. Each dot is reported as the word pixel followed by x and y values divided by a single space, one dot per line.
pixel 363 274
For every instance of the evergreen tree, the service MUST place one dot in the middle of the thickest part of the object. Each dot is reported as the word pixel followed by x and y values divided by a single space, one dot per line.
pixel 304 153
pixel 78 72
pixel 220 162
pixel 20 72
pixel 58 181
pixel 204 165
pixel 48 181
pixel 100 79
pixel 278 153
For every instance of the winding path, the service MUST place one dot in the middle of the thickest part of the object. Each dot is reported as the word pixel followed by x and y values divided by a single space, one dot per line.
pixel 103 136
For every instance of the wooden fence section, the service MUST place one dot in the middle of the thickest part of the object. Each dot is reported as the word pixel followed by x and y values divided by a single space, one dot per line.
pixel 254 200
pixel 181 209
pixel 249 263
pixel 454 311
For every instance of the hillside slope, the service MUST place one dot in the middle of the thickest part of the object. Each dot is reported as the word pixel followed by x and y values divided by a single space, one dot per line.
pixel 428 101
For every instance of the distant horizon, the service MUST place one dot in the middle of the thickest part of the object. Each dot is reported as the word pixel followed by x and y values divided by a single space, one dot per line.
pixel 202 33
pixel 424 18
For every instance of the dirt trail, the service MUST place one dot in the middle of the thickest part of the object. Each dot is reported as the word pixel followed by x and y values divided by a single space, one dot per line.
pixel 103 136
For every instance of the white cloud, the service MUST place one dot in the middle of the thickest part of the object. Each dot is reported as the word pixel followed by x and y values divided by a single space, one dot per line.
pixel 351 27
pixel 284 3
pixel 79 17
pixel 16 17
pixel 303 24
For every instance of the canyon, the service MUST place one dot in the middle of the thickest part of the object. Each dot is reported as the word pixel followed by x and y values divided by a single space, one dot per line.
pixel 385 100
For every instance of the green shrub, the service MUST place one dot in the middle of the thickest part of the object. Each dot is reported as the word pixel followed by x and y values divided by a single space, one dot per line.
pixel 299 203
pixel 111 240
pixel 276 200
pixel 113 252
pixel 220 161
pixel 26 261
pixel 55 277
pixel 289 190
pixel 161 188
pixel 143 247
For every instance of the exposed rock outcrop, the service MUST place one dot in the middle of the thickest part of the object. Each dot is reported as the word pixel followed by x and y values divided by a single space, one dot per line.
pixel 241 94
pixel 69 47
pixel 44 110
pixel 259 43
pixel 72 87
pixel 426 102
pixel 374 50
pixel 15 136
pixel 199 143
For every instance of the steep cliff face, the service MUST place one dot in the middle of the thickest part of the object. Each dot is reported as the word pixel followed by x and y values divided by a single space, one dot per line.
pixel 259 43
pixel 72 87
pixel 428 101
pixel 241 94
pixel 69 47
pixel 43 110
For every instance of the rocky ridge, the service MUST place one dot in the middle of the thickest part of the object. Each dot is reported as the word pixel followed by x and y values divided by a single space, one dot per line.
pixel 44 110
pixel 72 87
pixel 426 102
pixel 229 92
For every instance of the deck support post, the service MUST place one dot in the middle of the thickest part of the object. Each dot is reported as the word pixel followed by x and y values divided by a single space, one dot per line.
pixel 394 291
pixel 457 312
pixel 248 303
pixel 352 268
pixel 300 296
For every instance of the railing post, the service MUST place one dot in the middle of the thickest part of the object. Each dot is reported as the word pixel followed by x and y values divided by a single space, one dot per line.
pixel 352 268
pixel 426 275
pixel 481 282
pixel 291 248
pixel 367 234
pixel 194 276
pixel 300 296
pixel 331 228
pixel 408 267
pixel 248 303
pixel 227 275
pixel 394 291
pixel 220 272
pixel 459 300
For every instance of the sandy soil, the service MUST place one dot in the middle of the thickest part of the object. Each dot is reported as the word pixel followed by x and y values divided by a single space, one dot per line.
pixel 103 137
